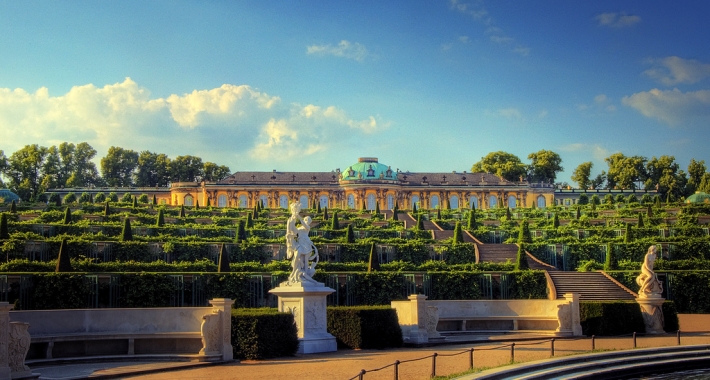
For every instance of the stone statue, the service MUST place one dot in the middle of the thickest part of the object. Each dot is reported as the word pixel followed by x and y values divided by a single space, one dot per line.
pixel 299 247
pixel 649 285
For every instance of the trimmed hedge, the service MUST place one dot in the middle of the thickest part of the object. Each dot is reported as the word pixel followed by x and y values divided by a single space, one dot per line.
pixel 620 317
pixel 263 333
pixel 365 327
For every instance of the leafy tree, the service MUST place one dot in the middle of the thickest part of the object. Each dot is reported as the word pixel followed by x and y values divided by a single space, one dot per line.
pixel 582 175
pixel 696 171
pixel 214 172
pixel 665 175
pixel 153 169
pixel 502 164
pixel 3 167
pixel 24 170
pixel 544 166
pixel 632 199
pixel 126 233
pixel 609 199
pixel 624 172
pixel 127 198
pixel 4 231
pixel 70 198
pixel 186 169
pixel 118 166
pixel 599 181
pixel 583 199
pixel 83 170
pixel 620 198
pixel 143 198
pixel 112 197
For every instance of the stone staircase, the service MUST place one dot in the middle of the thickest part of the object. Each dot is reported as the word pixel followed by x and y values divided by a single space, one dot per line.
pixel 447 234
pixel 497 253
pixel 592 286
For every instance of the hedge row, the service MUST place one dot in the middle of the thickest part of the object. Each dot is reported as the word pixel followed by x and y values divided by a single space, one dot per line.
pixel 620 318
pixel 365 327
pixel 263 333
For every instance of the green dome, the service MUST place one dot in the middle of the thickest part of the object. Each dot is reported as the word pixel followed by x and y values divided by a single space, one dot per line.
pixel 367 168
pixel 698 197
pixel 7 196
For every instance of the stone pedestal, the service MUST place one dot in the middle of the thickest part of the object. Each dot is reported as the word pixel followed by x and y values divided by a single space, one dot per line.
pixel 5 340
pixel 308 305
pixel 412 316
pixel 651 309
pixel 223 308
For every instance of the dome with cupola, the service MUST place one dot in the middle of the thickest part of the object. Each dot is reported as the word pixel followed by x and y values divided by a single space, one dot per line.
pixel 7 196
pixel 698 197
pixel 367 168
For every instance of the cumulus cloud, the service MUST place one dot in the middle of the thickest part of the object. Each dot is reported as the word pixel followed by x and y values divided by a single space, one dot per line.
pixel 216 124
pixel 597 151
pixel 616 20
pixel 673 70
pixel 344 49
pixel 672 107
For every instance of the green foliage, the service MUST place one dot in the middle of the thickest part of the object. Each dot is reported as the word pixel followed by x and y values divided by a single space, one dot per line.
pixel 670 317
pixel 528 284
pixel 223 263
pixel 334 223
pixel 640 221
pixel 458 233
pixel 524 235
pixel 182 211
pixel 4 231
pixel 127 198
pixel 521 259
pixel 99 197
pixel 690 291
pixel 583 199
pixel 610 318
pixel 628 235
pixel 350 235
pixel 263 333
pixel 63 261
pixel 471 222
pixel 13 207
pixel 143 198
pixel 250 221
pixel 364 327
pixel 70 198
pixel 455 285
pixel 241 231
pixel 420 223
pixel 374 262
pixel 556 221
pixel 107 210
pixel 85 198
pixel 67 216
pixel 126 233
pixel 160 221
pixel 112 197
pixel 610 261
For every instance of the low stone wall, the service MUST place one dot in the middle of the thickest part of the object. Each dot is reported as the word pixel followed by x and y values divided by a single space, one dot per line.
pixel 422 320
pixel 201 331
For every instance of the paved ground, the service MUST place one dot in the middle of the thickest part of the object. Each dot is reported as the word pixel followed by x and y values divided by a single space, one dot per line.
pixel 346 364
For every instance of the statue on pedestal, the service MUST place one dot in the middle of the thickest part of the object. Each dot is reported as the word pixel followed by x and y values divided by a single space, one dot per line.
pixel 649 285
pixel 299 248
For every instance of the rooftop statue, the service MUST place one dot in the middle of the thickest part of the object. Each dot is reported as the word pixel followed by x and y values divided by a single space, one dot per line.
pixel 299 248
pixel 649 285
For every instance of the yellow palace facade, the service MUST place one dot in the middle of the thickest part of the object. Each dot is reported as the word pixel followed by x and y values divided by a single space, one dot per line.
pixel 366 182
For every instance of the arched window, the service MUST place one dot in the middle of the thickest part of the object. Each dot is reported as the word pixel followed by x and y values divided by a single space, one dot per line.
pixel 492 201
pixel 434 201
pixel 371 201
pixel 512 202
pixel 222 201
pixel 541 202
pixel 390 202
pixel 473 202
pixel 283 201
pixel 242 201
pixel 264 201
pixel 415 202
pixel 351 202
pixel 454 200
pixel 304 202
pixel 188 200
pixel 323 201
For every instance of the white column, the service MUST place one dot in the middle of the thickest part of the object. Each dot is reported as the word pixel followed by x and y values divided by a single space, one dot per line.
pixel 225 306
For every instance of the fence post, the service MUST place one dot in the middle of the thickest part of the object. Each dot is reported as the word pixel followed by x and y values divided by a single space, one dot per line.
pixel 678 336
pixel 552 347
pixel 593 343
pixel 634 339
pixel 396 370
pixel 433 365
pixel 512 352
pixel 362 374
pixel 470 359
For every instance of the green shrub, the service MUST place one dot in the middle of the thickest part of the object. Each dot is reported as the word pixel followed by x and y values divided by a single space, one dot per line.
pixel 364 327
pixel 610 318
pixel 263 333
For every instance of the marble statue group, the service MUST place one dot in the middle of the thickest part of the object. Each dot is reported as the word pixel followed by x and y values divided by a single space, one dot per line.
pixel 299 247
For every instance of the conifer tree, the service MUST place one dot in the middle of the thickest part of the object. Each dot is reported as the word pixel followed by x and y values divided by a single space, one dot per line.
pixel 448 204
pixel 223 264
pixel 135 202
pixel 67 216
pixel 182 211
pixel 377 208
pixel 208 203
pixel 334 223
pixel 414 208
pixel 126 233
pixel 458 233
pixel 63 262
pixel 161 218
pixel 524 235
pixel 628 237
pixel 374 262
pixel 556 221
pixel 532 205
pixel 610 262
pixel 107 210
pixel 579 213
pixel 318 209
pixel 314 205
pixel 521 259
pixel 438 214
pixel 363 208
pixel 640 222
pixel 395 211
pixel 657 201
pixel 508 215
pixel 241 232
pixel 155 200
pixel 13 207
pixel 250 221
pixel 197 205
pixel 420 223
pixel 471 223
pixel 4 231
pixel 350 234
pixel 325 213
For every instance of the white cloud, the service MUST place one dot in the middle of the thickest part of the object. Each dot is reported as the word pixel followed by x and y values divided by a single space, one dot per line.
pixel 597 151
pixel 673 107
pixel 673 70
pixel 510 113
pixel 216 124
pixel 494 33
pixel 542 114
pixel 463 39
pixel 476 11
pixel 344 49
pixel 522 50
pixel 616 20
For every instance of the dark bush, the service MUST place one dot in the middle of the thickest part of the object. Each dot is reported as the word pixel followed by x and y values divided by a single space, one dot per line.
pixel 610 318
pixel 263 333
pixel 365 327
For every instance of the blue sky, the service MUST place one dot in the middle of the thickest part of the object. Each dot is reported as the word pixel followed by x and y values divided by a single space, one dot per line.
pixel 313 85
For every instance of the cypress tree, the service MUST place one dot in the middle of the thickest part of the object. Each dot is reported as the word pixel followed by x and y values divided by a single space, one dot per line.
pixel 579 213
pixel 325 213
pixel 657 201
pixel 668 198
pixel 135 202
pixel 521 259
pixel 458 233
pixel 627 236
pixel 318 209
pixel 556 221
pixel 208 203
pixel 649 211
pixel 438 214
pixel 448 204
pixel 155 200
pixel 107 210
pixel 374 262
pixel 63 262
pixel 610 262
pixel 594 207
pixel 471 223
pixel 395 211
pixel 334 223
pixel 241 232
pixel 640 222
pixel 182 211
pixel 161 218
pixel 420 223
pixel 223 264
pixel 197 205
pixel 67 216
pixel 524 235
pixel 126 234
pixel 532 205
pixel 508 215
pixel 13 207
pixel 250 221
pixel 414 208
pixel 377 208
pixel 350 234
pixel 363 208
pixel 4 231
pixel 59 201
pixel 315 204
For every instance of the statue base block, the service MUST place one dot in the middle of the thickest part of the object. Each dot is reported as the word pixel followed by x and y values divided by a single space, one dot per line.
pixel 307 303
pixel 651 309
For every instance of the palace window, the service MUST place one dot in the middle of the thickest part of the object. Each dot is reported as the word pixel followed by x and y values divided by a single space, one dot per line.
pixel 283 201
pixel 390 202
pixel 323 201
pixel 188 200
pixel 351 201
pixel 222 201
pixel 492 201
pixel 242 201
pixel 304 202
pixel 512 202
pixel 371 201
pixel 434 201
pixel 454 200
